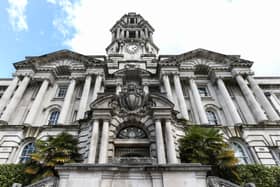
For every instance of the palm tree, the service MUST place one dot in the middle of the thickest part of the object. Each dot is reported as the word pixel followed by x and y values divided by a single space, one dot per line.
pixel 207 146
pixel 57 150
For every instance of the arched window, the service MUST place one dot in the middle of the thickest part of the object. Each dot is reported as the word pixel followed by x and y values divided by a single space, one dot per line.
pixel 53 117
pixel 128 143
pixel 132 132
pixel 212 117
pixel 240 153
pixel 27 150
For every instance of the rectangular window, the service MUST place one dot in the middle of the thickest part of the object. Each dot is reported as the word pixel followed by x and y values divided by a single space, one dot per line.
pixel 203 91
pixel 61 93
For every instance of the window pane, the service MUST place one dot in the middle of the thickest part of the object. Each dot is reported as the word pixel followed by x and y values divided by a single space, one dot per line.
pixel 27 150
pixel 203 91
pixel 240 153
pixel 61 92
pixel 53 118
pixel 132 132
pixel 212 118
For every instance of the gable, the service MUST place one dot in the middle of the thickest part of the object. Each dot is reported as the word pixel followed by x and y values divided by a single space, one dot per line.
pixel 202 57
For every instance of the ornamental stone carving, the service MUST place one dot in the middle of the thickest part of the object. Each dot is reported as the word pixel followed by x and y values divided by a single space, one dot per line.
pixel 131 100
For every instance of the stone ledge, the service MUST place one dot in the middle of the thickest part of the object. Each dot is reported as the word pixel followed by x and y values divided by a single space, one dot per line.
pixel 192 167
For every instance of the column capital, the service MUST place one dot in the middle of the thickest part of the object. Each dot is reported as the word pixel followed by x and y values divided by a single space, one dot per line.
pixel 24 73
pixel 99 74
pixel 157 120
pixel 175 74
pixel 242 72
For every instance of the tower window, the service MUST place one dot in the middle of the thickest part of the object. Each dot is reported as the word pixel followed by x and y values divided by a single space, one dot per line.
pixel 132 20
pixel 131 34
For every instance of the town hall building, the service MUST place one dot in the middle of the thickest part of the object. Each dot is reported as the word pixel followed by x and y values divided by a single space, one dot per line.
pixel 130 107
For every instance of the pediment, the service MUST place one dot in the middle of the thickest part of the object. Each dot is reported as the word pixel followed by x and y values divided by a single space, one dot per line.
pixel 203 57
pixel 62 58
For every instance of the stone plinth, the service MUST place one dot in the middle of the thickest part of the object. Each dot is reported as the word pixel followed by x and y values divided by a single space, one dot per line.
pixel 116 175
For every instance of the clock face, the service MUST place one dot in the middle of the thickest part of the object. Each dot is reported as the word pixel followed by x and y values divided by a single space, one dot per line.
pixel 132 48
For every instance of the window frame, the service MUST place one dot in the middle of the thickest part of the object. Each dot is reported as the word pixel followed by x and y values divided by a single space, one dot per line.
pixel 205 93
pixel 60 87
pixel 214 115
pixel 55 120
pixel 26 157
pixel 245 150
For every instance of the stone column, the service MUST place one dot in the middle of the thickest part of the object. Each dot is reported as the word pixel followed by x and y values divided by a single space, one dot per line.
pixel 103 155
pixel 93 142
pixel 167 87
pixel 15 99
pixel 228 101
pixel 197 99
pixel 170 145
pixel 181 98
pixel 8 93
pixel 97 86
pixel 272 115
pixel 118 89
pixel 160 143
pixel 67 102
pixel 84 98
pixel 37 102
pixel 253 104
pixel 146 88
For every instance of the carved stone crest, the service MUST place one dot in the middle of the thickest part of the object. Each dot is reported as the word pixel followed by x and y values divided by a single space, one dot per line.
pixel 131 100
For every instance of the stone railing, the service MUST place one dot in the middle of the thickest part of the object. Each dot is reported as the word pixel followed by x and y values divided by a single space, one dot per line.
pixel 47 182
pixel 218 182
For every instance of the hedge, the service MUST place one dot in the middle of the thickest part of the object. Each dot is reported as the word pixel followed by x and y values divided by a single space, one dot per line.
pixel 13 173
pixel 262 176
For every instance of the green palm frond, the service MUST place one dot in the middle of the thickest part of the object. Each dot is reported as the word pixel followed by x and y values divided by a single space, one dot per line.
pixel 207 146
pixel 56 150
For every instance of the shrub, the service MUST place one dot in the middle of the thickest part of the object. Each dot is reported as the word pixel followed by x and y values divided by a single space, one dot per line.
pixel 13 173
pixel 261 175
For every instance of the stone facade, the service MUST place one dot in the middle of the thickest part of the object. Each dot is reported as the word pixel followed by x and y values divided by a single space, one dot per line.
pixel 126 106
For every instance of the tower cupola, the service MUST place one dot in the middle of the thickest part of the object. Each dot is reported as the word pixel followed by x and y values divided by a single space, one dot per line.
pixel 132 36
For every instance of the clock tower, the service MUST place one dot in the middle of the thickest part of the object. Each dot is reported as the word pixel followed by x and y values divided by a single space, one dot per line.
pixel 132 38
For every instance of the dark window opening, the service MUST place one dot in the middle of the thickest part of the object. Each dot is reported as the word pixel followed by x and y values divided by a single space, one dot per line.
pixel 132 20
pixel 131 34
pixel 110 89
pixel 154 89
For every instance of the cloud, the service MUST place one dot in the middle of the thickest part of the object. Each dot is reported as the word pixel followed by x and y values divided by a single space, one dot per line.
pixel 245 27
pixel 63 21
pixel 17 16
